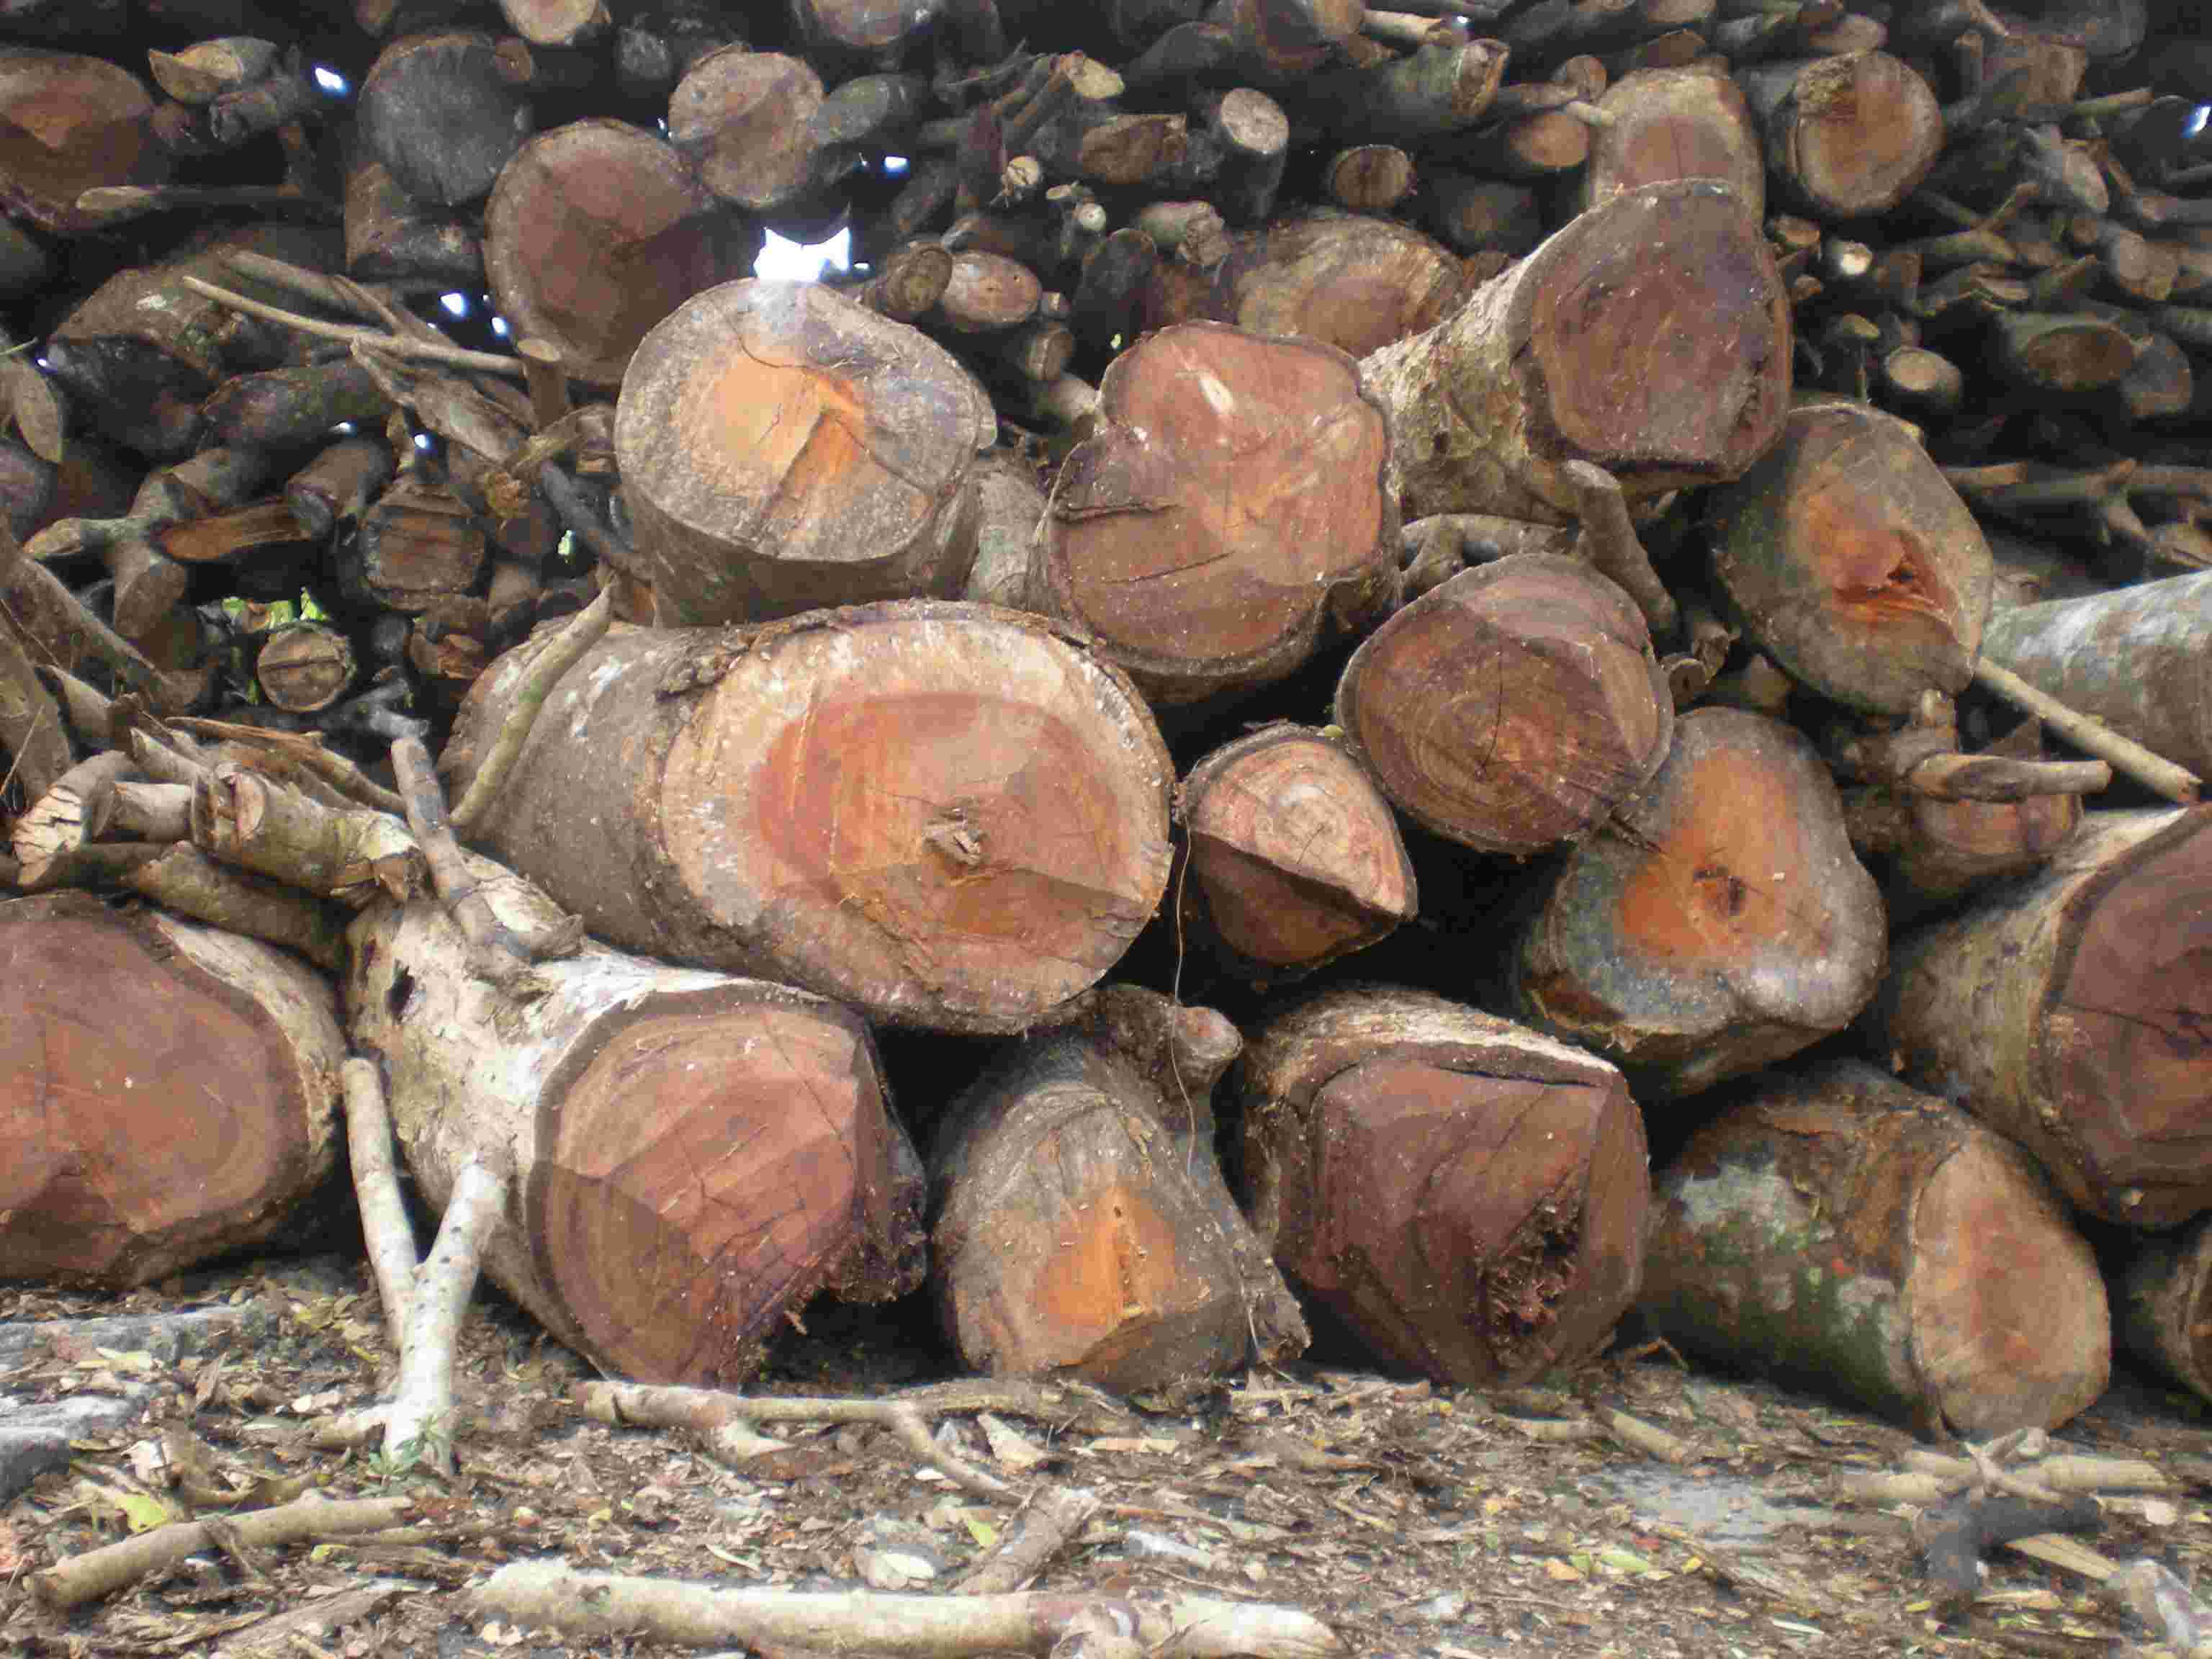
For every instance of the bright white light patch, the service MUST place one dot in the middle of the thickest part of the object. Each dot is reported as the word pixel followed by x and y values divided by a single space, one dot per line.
pixel 331 81
pixel 499 327
pixel 422 441
pixel 895 164
pixel 2196 121
pixel 785 260
pixel 456 305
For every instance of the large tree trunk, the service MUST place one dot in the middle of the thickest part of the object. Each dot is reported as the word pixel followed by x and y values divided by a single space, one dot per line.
pixel 1081 1223
pixel 694 1155
pixel 947 815
pixel 1843 1233
pixel 1718 924
pixel 1228 504
pixel 783 449
pixel 2139 659
pixel 169 1092
pixel 1650 336
pixel 1466 1196
pixel 2074 1013
pixel 1295 858
pixel 1511 707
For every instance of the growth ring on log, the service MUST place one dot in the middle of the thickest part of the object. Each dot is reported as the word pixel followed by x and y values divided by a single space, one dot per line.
pixel 69 123
pixel 784 449
pixel 594 233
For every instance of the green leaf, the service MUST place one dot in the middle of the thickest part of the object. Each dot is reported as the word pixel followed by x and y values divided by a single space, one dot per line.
pixel 142 1511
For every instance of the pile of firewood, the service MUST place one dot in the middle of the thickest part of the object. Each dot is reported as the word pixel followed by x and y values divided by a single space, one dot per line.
pixel 1571 565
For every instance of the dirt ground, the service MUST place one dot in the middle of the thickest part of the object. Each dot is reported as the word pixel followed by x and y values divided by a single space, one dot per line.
pixel 1417 1521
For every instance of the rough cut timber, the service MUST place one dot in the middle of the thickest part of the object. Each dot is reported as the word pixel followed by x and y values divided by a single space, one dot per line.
pixel 1081 1227
pixel 783 449
pixel 1650 336
pixel 2138 659
pixel 1843 1233
pixel 1295 858
pixel 2073 1013
pixel 1851 562
pixel 1229 507
pixel 594 233
pixel 442 113
pixel 1846 136
pixel 71 124
pixel 1675 123
pixel 1718 924
pixel 169 1092
pixel 694 1155
pixel 1466 1196
pixel 2161 1293
pixel 1511 707
pixel 947 815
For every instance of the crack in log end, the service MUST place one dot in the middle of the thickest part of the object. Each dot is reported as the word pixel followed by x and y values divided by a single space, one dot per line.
pixel 1525 1287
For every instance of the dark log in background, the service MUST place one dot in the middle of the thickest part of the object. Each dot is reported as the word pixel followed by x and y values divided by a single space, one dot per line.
pixel 1994 226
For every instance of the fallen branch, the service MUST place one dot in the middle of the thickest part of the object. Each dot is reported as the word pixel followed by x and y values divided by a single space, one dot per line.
pixel 392 1254
pixel 422 1411
pixel 2127 757
pixel 1047 1524
pixel 185 879
pixel 63 821
pixel 112 1567
pixel 556 660
pixel 1611 544
pixel 398 346
pixel 551 1595
pixel 498 954
pixel 1957 1534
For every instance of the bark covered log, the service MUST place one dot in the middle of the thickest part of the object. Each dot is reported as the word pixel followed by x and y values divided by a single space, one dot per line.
pixel 1512 708
pixel 1467 1196
pixel 2073 1013
pixel 1718 924
pixel 1842 1233
pixel 2161 1292
pixel 1650 336
pixel 169 1091
pixel 1229 507
pixel 947 815
pixel 1081 1224
pixel 694 1155
pixel 783 449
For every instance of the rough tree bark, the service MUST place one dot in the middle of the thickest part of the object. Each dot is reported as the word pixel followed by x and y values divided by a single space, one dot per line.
pixel 1081 1225
pixel 783 449
pixel 1842 1233
pixel 948 815
pixel 2161 1293
pixel 1466 1196
pixel 1718 924
pixel 694 1154
pixel 1511 707
pixel 2073 1013
pixel 1229 505
pixel 169 1092
pixel 1650 336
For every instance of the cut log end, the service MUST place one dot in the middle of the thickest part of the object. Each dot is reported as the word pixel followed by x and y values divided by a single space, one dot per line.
pixel 700 1177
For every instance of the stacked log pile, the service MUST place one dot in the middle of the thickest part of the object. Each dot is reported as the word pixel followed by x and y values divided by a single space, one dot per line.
pixel 1657 536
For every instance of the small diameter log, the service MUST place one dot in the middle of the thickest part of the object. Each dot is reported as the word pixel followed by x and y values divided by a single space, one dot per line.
pixel 595 232
pixel 388 233
pixel 1851 562
pixel 1467 1197
pixel 784 449
pixel 289 408
pixel 1228 506
pixel 1010 503
pixel 742 121
pixel 1295 860
pixel 1512 708
pixel 2161 1292
pixel 948 815
pixel 1844 1233
pixel 1081 1225
pixel 169 1091
pixel 2073 1013
pixel 1675 123
pixel 1355 283
pixel 694 1155
pixel 1719 923
pixel 1847 136
pixel 442 113
pixel 416 544
pixel 69 123
pixel 305 667
pixel 1650 336
pixel 2139 659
